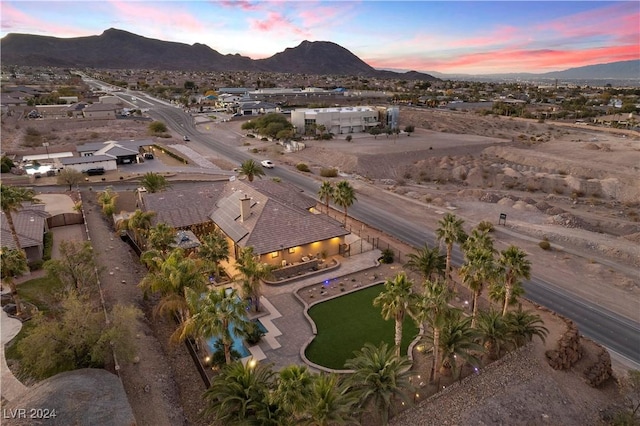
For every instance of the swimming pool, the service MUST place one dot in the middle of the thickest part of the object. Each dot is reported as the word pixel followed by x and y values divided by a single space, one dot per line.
pixel 238 341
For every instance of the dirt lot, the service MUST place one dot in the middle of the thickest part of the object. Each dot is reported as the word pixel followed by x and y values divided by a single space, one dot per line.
pixel 575 186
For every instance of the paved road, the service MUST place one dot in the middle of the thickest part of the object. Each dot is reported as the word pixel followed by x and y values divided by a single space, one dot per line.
pixel 620 335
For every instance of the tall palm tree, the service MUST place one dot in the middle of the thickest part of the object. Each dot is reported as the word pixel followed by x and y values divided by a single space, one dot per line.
pixel 138 223
pixel 514 266
pixel 344 196
pixel 380 376
pixel 107 200
pixel 214 249
pixel 326 193
pixel 494 332
pixel 330 403
pixel 432 309
pixel 396 300
pixel 11 200
pixel 154 182
pixel 450 232
pixel 524 326
pixel 428 262
pixel 237 392
pixel 218 313
pixel 161 237
pixel 293 389
pixel 478 269
pixel 252 272
pixel 170 277
pixel 250 169
pixel 14 262
pixel 458 340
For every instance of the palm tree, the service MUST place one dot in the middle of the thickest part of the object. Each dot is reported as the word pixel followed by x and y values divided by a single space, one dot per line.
pixel 14 262
pixel 139 223
pixel 218 313
pixel 479 266
pixel 514 266
pixel 380 376
pixel 293 390
pixel 170 277
pixel 428 262
pixel 344 196
pixel 107 200
pixel 252 272
pixel 237 392
pixel 432 308
pixel 450 232
pixel 250 169
pixel 524 326
pixel 396 299
pixel 154 182
pixel 161 237
pixel 330 403
pixel 458 340
pixel 214 249
pixel 326 193
pixel 494 332
pixel 11 200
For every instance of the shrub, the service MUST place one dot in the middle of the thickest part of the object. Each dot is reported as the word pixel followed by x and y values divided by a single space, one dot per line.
pixel 303 167
pixel 388 256
pixel 349 138
pixel 48 246
pixel 544 244
pixel 157 127
pixel 6 164
pixel 330 172
pixel 485 225
pixel 251 135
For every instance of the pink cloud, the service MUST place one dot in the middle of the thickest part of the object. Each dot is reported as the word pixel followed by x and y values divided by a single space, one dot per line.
pixel 242 4
pixel 14 18
pixel 277 23
pixel 162 18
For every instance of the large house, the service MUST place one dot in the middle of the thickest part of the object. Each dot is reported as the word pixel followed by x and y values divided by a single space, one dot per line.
pixel 105 154
pixel 31 225
pixel 341 120
pixel 274 218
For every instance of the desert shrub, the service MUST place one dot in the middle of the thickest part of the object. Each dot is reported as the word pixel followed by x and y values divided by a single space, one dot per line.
pixel 545 244
pixel 48 246
pixel 388 255
pixel 328 172
pixel 303 167
pixel 485 225
pixel 255 150
pixel 349 138
pixel 251 135
pixel 157 127
pixel 6 164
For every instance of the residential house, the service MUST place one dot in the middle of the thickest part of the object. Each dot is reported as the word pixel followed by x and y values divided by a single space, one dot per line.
pixel 100 111
pixel 31 225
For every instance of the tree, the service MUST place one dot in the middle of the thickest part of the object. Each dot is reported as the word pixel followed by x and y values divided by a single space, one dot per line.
pixel 237 392
pixel 154 182
pixel 138 223
pixel 450 232
pixel 252 272
pixel 432 308
pixel 479 266
pixel 380 376
pixel 344 196
pixel 157 127
pixel 75 267
pixel 214 248
pixel 494 332
pixel 216 314
pixel 11 200
pixel 14 262
pixel 513 266
pixel 524 326
pixel 326 193
pixel 107 200
pixel 330 403
pixel 427 262
pixel 69 177
pixel 293 389
pixel 458 340
pixel 396 299
pixel 78 338
pixel 250 169
pixel 161 237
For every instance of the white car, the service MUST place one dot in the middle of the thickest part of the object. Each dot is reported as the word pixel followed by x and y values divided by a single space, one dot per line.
pixel 267 164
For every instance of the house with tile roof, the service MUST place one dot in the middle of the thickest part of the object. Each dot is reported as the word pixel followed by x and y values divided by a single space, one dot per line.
pixel 275 218
pixel 31 225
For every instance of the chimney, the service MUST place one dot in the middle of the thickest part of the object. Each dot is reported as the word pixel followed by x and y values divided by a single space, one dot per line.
pixel 245 208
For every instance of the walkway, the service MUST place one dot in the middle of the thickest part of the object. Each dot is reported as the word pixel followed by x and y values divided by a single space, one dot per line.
pixel 289 318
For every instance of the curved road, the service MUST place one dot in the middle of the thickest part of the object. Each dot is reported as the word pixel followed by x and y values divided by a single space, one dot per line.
pixel 619 334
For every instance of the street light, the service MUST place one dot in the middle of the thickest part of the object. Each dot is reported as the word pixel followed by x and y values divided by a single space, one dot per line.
pixel 46 145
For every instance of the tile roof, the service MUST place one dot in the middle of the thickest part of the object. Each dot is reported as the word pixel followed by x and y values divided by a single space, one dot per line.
pixel 29 223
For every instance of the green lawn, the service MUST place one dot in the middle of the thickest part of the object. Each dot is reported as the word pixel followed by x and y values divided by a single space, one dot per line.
pixel 346 323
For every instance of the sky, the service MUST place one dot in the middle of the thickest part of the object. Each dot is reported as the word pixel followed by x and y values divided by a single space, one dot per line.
pixel 452 37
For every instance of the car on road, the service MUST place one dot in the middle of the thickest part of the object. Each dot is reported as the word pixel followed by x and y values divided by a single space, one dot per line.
pixel 186 138
pixel 267 164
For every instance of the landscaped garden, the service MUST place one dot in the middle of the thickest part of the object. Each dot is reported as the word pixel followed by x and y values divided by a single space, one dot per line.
pixel 346 323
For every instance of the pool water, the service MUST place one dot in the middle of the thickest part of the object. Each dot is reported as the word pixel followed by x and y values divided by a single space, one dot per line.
pixel 238 341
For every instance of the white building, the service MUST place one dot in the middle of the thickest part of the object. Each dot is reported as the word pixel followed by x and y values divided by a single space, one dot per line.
pixel 335 120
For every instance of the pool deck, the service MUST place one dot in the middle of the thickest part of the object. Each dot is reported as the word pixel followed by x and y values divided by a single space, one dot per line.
pixel 288 329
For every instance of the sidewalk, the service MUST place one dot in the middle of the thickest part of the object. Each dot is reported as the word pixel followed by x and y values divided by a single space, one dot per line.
pixel 11 387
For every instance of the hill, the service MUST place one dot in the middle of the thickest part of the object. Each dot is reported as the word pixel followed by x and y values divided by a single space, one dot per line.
pixel 118 49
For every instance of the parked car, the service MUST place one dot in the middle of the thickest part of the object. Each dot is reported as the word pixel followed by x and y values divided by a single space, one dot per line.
pixel 268 164
pixel 96 171
pixel 148 156
pixel 186 138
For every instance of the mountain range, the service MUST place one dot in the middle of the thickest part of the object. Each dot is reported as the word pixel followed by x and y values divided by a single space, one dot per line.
pixel 118 49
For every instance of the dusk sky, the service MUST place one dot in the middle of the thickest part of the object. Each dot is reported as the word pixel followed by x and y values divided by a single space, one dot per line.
pixel 479 37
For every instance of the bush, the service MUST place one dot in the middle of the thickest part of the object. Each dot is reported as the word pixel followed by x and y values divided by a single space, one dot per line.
pixel 303 167
pixel 157 127
pixel 388 255
pixel 349 138
pixel 545 244
pixel 485 225
pixel 330 172
pixel 6 164
pixel 48 246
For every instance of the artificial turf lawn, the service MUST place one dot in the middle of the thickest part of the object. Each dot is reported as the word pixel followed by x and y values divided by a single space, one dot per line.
pixel 346 323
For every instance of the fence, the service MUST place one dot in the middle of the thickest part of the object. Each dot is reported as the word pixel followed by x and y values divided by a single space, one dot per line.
pixel 65 219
